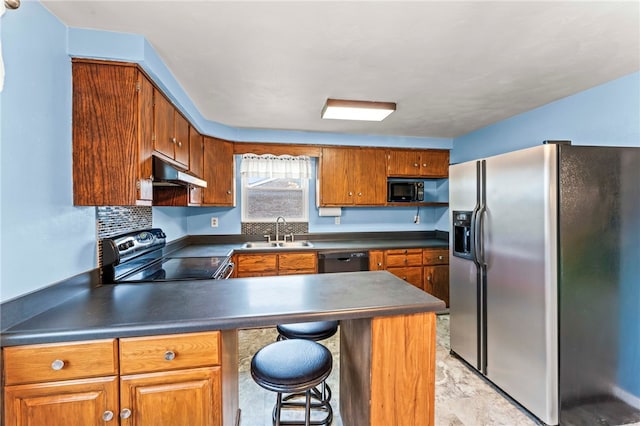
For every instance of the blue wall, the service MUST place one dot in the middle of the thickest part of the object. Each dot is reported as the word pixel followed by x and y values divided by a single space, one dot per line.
pixel 44 238
pixel 608 114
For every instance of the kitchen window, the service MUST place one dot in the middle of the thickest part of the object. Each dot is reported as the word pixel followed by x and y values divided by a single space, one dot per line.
pixel 275 186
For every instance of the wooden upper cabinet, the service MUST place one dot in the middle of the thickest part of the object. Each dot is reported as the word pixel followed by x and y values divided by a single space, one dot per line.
pixel 418 163
pixel 171 131
pixel 196 152
pixel 219 172
pixel 112 134
pixel 352 176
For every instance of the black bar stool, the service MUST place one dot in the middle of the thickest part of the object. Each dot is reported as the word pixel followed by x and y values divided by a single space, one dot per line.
pixel 316 330
pixel 294 366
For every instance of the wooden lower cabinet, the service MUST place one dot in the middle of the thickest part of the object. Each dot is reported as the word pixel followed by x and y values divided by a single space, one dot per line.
pixel 427 269
pixel 271 264
pixel 436 273
pixel 83 402
pixel 178 380
pixel 173 398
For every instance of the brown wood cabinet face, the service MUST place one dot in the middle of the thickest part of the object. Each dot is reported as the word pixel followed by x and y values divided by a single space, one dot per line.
pixel 196 152
pixel 352 176
pixel 219 172
pixel 60 361
pixel 181 130
pixel 436 273
pixel 436 282
pixel 403 257
pixel 257 264
pixel 418 163
pixel 175 398
pixel 112 105
pixel 80 402
pixel 411 274
pixel 169 352
pixel 297 263
pixel 163 125
pixel 376 260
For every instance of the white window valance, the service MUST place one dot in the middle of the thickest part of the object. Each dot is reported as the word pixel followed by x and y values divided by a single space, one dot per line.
pixel 275 166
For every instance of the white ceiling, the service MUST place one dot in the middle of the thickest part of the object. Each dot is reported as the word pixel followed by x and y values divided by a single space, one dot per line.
pixel 451 66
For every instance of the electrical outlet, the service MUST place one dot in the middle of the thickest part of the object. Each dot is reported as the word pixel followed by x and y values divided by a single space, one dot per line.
pixel 214 222
pixel 337 220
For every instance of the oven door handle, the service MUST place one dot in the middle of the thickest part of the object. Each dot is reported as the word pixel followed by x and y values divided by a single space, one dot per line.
pixel 230 268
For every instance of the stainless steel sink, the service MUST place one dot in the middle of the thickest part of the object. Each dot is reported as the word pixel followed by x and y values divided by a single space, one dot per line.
pixel 275 245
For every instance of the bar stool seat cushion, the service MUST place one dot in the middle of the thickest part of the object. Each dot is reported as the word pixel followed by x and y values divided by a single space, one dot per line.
pixel 317 330
pixel 291 365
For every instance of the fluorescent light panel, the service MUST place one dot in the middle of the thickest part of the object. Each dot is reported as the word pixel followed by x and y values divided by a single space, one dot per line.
pixel 337 109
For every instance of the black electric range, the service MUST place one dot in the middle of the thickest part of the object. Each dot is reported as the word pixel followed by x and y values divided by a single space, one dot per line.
pixel 139 256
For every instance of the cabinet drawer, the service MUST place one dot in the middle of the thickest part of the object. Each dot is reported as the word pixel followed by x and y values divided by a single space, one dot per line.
pixel 169 352
pixel 412 258
pixel 435 257
pixel 297 261
pixel 60 361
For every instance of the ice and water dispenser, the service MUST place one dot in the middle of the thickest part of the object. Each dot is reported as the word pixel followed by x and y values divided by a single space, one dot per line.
pixel 462 234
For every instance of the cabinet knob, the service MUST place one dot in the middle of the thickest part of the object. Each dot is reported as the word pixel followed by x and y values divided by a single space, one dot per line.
pixel 350 194
pixel 440 257
pixel 229 192
pixel 58 364
pixel 107 416
pixel 125 413
pixel 179 144
pixel 380 264
pixel 173 140
pixel 428 277
pixel 425 165
pixel 359 194
pixel 404 278
pixel 169 355
pixel 416 165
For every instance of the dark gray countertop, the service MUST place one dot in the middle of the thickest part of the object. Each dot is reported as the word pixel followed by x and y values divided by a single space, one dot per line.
pixel 176 307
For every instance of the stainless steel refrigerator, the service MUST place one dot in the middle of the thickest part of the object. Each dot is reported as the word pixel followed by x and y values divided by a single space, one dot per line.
pixel 539 243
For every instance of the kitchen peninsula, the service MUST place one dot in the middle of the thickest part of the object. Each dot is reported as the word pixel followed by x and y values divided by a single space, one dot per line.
pixel 387 332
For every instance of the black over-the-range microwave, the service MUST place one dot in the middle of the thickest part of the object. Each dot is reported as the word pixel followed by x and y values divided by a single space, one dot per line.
pixel 405 190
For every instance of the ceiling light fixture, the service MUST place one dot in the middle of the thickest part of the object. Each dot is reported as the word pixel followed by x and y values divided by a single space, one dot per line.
pixel 338 109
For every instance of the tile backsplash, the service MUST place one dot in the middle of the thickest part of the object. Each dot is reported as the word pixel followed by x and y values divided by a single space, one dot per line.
pixel 114 220
pixel 264 228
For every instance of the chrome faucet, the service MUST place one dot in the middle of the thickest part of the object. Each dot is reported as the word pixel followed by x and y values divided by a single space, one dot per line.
pixel 284 222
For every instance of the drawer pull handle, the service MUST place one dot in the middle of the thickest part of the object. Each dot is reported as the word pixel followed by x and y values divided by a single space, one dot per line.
pixel 58 364
pixel 169 355
pixel 107 416
pixel 440 257
pixel 429 278
pixel 125 413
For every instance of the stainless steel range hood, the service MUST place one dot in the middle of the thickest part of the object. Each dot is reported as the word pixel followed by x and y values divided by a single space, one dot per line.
pixel 165 174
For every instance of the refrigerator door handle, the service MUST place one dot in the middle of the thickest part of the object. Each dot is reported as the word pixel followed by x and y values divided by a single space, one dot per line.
pixel 479 236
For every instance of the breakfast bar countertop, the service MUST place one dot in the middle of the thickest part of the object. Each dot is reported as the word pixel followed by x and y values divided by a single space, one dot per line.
pixel 144 309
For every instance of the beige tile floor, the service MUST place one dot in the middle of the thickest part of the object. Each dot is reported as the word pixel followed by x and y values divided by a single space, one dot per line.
pixel 462 397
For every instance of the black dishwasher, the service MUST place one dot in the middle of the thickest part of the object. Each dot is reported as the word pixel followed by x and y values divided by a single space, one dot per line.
pixel 343 261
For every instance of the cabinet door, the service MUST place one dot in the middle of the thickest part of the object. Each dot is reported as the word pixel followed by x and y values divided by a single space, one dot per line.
pixel 106 133
pixel 376 260
pixel 403 163
pixel 145 139
pixel 370 180
pixel 163 125
pixel 181 134
pixel 174 398
pixel 219 172
pixel 436 282
pixel 435 256
pixel 297 263
pixel 196 152
pixel 249 265
pixel 79 402
pixel 434 164
pixel 335 185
